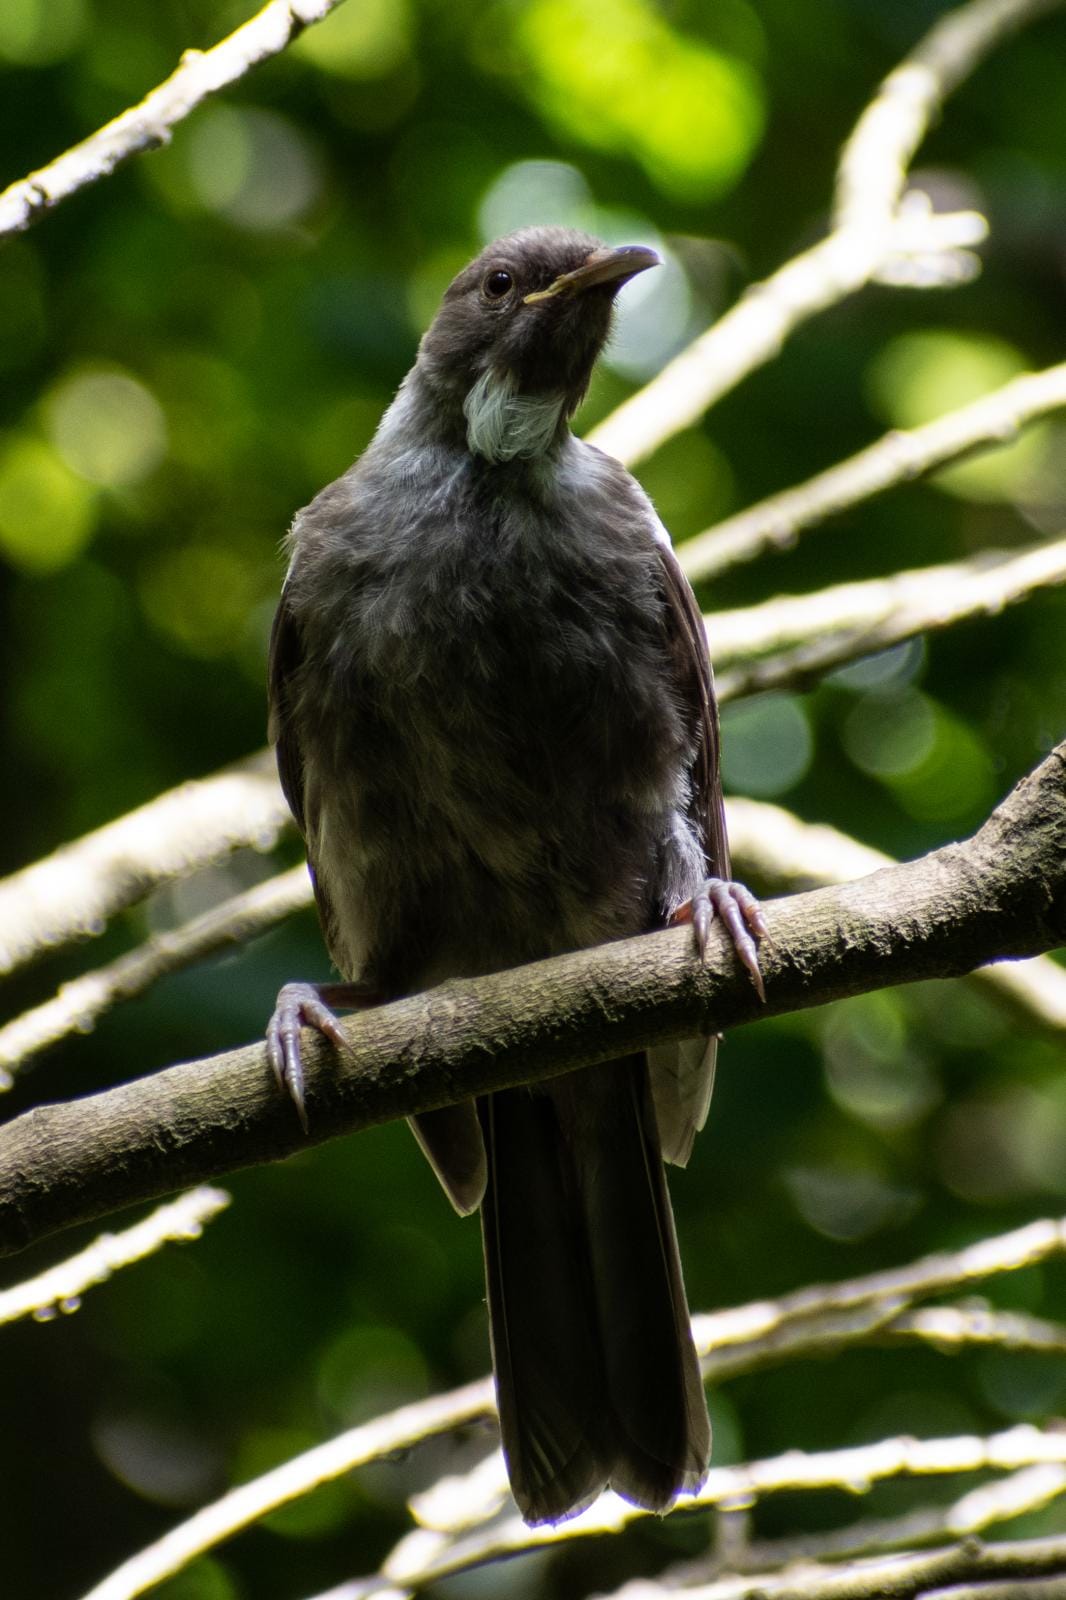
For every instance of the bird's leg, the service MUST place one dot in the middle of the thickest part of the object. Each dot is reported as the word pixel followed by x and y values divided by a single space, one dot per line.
pixel 741 913
pixel 308 1005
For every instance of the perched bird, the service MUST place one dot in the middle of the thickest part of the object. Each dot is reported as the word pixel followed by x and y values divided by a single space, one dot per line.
pixel 495 725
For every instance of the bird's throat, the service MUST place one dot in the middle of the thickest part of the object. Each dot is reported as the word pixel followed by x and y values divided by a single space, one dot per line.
pixel 501 423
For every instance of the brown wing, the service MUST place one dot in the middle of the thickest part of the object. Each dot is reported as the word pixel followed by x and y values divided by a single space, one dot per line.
pixel 283 662
pixel 695 682
pixel 682 1074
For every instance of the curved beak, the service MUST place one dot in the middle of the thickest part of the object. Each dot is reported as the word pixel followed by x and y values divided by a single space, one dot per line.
pixel 602 266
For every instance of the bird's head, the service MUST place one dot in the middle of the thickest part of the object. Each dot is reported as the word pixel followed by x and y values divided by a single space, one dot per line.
pixel 512 348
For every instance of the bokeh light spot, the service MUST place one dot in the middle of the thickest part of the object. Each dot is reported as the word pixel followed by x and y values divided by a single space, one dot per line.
pixel 766 745
pixel 200 597
pixel 366 40
pixel 616 75
pixel 922 375
pixel 887 735
pixel 47 513
pixel 256 168
pixel 108 427
pixel 34 33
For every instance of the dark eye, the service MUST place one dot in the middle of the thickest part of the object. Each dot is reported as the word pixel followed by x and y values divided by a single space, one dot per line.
pixel 497 284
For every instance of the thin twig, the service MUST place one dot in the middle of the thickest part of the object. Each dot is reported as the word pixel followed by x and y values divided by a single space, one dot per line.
pixel 61 1287
pixel 425 1557
pixel 148 125
pixel 71 894
pixel 969 1570
pixel 79 1005
pixel 878 231
pixel 872 171
pixel 850 620
pixel 447 1507
pixel 952 1327
pixel 777 848
pixel 898 457
pixel 399 1430
pixel 817 1319
pixel 1029 1489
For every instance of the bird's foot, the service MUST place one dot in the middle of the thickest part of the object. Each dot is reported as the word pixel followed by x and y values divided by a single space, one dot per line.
pixel 742 915
pixel 307 1005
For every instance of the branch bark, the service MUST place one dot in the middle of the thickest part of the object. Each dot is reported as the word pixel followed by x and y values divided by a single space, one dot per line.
pixel 877 232
pixel 148 125
pixel 72 893
pixel 897 457
pixel 1001 894
pixel 816 632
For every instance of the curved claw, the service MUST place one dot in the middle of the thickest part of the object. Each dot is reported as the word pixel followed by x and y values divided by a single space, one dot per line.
pixel 741 914
pixel 298 1006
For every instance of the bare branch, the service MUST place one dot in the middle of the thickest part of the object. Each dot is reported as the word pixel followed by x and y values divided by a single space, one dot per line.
pixel 399 1430
pixel 788 854
pixel 455 1504
pixel 899 457
pixel 816 1320
pixel 1001 894
pixel 873 166
pixel 71 894
pixel 878 232
pixel 147 126
pixel 61 1287
pixel 850 620
pixel 80 1004
pixel 952 1327
pixel 1030 1569
pixel 1028 1489
pixel 754 330
pixel 425 1556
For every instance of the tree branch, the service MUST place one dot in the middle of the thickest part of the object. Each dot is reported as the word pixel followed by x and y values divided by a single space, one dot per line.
pixel 836 625
pixel 61 1287
pixel 148 125
pixel 1001 894
pixel 788 854
pixel 80 1004
pixel 71 894
pixel 877 233
pixel 455 1505
pixel 425 1557
pixel 898 457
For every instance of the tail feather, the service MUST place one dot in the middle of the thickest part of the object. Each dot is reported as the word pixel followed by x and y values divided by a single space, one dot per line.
pixel 596 1373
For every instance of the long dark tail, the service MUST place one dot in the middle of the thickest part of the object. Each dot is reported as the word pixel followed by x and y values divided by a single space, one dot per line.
pixel 596 1374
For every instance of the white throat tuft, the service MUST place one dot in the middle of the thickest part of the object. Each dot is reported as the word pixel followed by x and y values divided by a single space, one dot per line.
pixel 502 424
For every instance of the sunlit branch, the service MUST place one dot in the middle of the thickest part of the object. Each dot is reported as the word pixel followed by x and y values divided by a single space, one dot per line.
pixel 820 1319
pixel 399 1430
pixel 452 1504
pixel 814 633
pixel 148 125
pixel 425 1557
pixel 953 1327
pixel 1015 1494
pixel 1000 894
pixel 899 457
pixel 872 171
pixel 80 1004
pixel 878 232
pixel 969 1569
pixel 60 1288
pixel 71 894
pixel 778 849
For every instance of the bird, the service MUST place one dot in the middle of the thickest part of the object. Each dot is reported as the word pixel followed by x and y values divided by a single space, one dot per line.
pixel 494 722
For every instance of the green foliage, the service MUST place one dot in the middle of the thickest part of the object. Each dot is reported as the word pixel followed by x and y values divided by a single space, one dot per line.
pixel 188 352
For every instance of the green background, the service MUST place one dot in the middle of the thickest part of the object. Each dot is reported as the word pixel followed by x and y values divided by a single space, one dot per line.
pixel 187 353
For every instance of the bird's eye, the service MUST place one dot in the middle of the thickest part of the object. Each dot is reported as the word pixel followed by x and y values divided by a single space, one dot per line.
pixel 497 284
